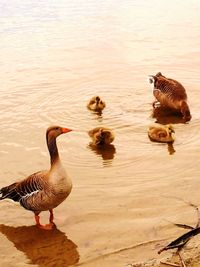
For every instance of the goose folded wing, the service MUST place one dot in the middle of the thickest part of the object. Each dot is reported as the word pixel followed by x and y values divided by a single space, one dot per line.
pixel 30 186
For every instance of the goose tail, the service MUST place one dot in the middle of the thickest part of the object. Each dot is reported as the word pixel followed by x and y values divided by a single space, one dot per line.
pixel 9 192
pixel 185 111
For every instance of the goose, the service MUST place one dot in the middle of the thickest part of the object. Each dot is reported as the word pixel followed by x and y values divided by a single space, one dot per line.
pixel 171 94
pixel 101 136
pixel 43 190
pixel 162 133
pixel 96 104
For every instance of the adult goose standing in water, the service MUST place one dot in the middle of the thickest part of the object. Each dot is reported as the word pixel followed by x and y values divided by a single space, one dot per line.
pixel 170 94
pixel 43 190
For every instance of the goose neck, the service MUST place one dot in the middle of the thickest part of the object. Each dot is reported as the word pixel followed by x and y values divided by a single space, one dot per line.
pixel 53 150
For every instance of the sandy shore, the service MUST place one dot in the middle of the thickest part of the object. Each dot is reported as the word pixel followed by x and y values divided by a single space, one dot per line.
pixel 190 253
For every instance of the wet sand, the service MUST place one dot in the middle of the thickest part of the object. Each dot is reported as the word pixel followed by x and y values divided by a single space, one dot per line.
pixel 54 58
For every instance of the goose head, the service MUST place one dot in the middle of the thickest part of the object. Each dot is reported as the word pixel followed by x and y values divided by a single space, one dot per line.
pixel 152 79
pixel 54 131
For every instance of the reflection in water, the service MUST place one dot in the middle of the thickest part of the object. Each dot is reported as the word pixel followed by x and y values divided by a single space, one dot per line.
pixel 44 248
pixel 171 148
pixel 98 115
pixel 105 151
pixel 166 116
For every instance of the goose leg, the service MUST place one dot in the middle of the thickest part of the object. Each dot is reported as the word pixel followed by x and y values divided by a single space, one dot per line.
pixel 51 217
pixel 37 220
pixel 49 226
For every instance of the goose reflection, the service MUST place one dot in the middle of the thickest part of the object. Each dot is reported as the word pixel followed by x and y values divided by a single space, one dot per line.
pixel 107 152
pixel 97 115
pixel 170 148
pixel 167 116
pixel 44 248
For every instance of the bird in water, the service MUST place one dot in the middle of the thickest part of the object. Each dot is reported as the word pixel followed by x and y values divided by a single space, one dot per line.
pixel 161 133
pixel 170 94
pixel 96 104
pixel 43 190
pixel 101 136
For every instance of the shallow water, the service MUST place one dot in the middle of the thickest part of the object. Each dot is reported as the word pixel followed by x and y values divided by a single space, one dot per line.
pixel 54 56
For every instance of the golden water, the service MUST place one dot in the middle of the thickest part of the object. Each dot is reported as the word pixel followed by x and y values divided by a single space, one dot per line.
pixel 54 56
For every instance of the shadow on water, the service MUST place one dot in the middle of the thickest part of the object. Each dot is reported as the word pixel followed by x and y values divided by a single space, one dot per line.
pixel 107 152
pixel 166 116
pixel 42 247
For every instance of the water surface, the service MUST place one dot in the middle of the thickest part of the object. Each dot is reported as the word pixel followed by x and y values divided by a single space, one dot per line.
pixel 54 56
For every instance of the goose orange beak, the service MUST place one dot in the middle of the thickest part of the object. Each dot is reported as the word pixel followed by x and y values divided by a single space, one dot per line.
pixel 66 130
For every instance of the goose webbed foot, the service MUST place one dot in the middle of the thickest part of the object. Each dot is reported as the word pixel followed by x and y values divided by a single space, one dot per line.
pixel 49 226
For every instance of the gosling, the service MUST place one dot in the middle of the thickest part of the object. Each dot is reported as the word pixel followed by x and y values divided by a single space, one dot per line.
pixel 96 104
pixel 162 133
pixel 170 94
pixel 101 136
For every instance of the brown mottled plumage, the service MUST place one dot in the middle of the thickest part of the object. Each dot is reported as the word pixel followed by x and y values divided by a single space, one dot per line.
pixel 43 190
pixel 161 133
pixel 101 136
pixel 170 94
pixel 96 104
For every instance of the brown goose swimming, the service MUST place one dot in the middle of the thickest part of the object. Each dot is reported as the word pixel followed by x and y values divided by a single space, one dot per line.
pixel 96 104
pixel 101 136
pixel 161 133
pixel 170 94
pixel 43 190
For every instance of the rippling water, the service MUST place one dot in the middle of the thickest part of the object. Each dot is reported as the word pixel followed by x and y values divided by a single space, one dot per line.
pixel 54 56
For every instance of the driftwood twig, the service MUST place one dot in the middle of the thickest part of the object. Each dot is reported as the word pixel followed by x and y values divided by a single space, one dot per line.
pixel 181 259
pixel 185 226
pixel 183 239
pixel 170 263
